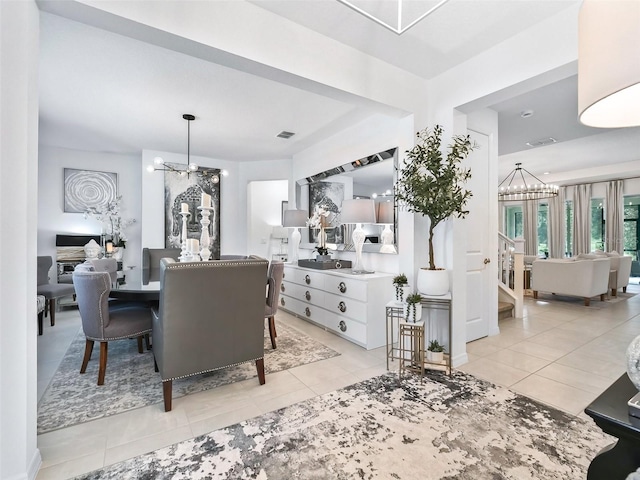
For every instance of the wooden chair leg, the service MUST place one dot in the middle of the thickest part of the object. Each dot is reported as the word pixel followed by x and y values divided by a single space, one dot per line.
pixel 587 301
pixel 603 297
pixel 46 307
pixel 535 294
pixel 166 393
pixel 155 365
pixel 40 317
pixel 139 339
pixel 272 332
pixel 103 362
pixel 147 341
pixel 52 307
pixel 88 349
pixel 614 292
pixel 624 289
pixel 260 368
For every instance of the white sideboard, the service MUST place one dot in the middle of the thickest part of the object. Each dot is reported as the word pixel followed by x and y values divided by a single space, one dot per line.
pixel 352 306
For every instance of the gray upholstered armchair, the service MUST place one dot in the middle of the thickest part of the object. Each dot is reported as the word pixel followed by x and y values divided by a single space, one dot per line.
pixel 274 281
pixel 51 291
pixel 209 317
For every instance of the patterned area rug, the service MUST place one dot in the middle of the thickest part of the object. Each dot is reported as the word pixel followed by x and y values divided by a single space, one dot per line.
pixel 444 428
pixel 131 381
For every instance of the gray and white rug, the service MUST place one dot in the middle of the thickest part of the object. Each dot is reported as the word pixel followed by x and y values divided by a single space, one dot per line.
pixel 131 381
pixel 444 428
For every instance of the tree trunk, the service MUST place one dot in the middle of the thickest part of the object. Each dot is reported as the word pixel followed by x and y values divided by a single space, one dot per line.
pixel 432 264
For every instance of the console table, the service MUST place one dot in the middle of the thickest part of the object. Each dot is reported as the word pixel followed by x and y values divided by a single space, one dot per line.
pixel 611 413
pixel 351 306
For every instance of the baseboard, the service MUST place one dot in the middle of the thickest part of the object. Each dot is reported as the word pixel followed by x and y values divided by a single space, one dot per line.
pixel 458 360
pixel 32 471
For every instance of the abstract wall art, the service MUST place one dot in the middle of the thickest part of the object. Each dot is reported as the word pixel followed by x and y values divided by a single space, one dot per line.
pixel 88 188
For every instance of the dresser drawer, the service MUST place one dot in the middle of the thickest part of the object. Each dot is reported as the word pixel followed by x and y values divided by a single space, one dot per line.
pixel 346 287
pixel 302 293
pixel 302 309
pixel 306 277
pixel 345 306
pixel 349 328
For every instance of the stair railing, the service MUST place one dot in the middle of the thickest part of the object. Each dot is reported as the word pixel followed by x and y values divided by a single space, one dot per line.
pixel 511 269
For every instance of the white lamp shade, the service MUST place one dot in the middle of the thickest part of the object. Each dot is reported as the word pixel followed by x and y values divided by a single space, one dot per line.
pixel 608 63
pixel 294 218
pixel 384 212
pixel 358 211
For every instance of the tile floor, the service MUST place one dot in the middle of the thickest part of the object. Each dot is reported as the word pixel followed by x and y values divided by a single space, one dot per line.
pixel 561 353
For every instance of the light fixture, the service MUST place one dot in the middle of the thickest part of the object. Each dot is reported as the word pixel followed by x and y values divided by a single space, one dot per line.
pixel 294 219
pixel 159 164
pixel 358 211
pixel 399 29
pixel 608 66
pixel 384 215
pixel 518 188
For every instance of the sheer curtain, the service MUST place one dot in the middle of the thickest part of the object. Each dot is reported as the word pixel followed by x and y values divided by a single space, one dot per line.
pixel 582 219
pixel 614 209
pixel 530 226
pixel 557 225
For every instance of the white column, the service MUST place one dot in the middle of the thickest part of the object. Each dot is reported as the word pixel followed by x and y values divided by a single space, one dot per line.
pixel 19 25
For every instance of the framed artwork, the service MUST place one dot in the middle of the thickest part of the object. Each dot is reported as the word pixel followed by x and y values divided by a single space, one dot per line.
pixel 328 195
pixel 187 189
pixel 88 188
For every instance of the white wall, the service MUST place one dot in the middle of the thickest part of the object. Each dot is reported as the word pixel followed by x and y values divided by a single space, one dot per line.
pixel 263 213
pixel 19 455
pixel 53 220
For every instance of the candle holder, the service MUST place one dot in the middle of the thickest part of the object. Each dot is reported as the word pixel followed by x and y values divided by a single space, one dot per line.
pixel 185 255
pixel 205 253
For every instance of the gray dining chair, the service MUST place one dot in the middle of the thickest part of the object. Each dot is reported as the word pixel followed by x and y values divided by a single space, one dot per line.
pixel 109 265
pixel 151 261
pixel 51 291
pixel 103 324
pixel 274 281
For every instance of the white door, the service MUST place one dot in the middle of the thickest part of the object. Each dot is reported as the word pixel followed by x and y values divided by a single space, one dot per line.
pixel 482 301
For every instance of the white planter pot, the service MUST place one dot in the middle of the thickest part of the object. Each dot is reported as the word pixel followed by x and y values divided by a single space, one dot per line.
pixel 408 312
pixel 433 282
pixel 435 356
pixel 404 291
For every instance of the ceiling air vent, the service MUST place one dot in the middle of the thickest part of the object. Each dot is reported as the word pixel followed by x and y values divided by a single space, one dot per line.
pixel 285 134
pixel 542 142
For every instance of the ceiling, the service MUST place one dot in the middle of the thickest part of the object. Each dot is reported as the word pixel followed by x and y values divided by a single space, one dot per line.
pixel 100 91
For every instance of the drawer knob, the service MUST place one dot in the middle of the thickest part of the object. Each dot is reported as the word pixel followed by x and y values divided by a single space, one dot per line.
pixel 342 287
pixel 283 275
pixel 342 307
pixel 282 302
pixel 307 279
pixel 307 295
pixel 307 312
pixel 342 326
pixel 282 289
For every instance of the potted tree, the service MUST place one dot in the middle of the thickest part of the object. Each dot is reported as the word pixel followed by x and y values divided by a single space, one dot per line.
pixel 435 351
pixel 431 184
pixel 400 283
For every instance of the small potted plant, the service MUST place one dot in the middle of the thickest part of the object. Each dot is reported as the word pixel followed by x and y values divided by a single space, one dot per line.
pixel 413 309
pixel 435 351
pixel 400 283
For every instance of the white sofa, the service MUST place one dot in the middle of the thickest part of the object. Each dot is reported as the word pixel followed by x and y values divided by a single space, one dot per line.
pixel 584 278
pixel 620 269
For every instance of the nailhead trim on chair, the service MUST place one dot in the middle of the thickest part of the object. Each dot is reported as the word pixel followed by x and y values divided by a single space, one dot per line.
pixel 211 370
pixel 131 335
pixel 215 263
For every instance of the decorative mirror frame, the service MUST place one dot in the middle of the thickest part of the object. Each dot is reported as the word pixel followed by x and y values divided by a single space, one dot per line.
pixel 303 195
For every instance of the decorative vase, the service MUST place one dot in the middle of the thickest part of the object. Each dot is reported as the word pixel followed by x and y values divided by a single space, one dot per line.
pixel 433 282
pixel 409 309
pixel 633 362
pixel 118 252
pixel 92 249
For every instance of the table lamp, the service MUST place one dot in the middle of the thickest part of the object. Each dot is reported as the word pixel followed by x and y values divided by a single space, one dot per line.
pixel 384 211
pixel 294 219
pixel 358 211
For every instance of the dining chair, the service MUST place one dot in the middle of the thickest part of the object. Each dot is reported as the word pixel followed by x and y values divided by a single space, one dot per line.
pixel 109 265
pixel 103 324
pixel 151 260
pixel 274 281
pixel 40 310
pixel 51 291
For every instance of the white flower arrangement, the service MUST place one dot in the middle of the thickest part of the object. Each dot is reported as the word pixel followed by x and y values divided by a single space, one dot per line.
pixel 113 224
pixel 321 219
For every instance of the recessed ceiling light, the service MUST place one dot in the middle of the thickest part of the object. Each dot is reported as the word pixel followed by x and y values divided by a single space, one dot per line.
pixel 285 134
pixel 526 113
pixel 541 142
pixel 546 173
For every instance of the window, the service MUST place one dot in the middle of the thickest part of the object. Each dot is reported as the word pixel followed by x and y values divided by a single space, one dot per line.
pixel 513 216
pixel 543 232
pixel 569 227
pixel 597 224
pixel 631 226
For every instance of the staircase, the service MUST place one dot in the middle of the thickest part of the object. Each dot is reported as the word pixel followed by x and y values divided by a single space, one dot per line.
pixel 510 277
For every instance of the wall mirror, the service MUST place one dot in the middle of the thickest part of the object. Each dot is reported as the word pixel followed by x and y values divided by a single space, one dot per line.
pixel 372 177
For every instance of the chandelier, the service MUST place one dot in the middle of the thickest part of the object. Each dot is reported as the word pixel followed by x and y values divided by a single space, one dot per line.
pixel 524 190
pixel 399 29
pixel 159 164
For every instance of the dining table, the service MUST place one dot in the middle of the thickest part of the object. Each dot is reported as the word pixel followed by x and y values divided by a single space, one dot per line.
pixel 136 284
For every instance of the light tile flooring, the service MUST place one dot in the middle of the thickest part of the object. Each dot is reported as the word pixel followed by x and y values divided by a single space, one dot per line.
pixel 561 353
